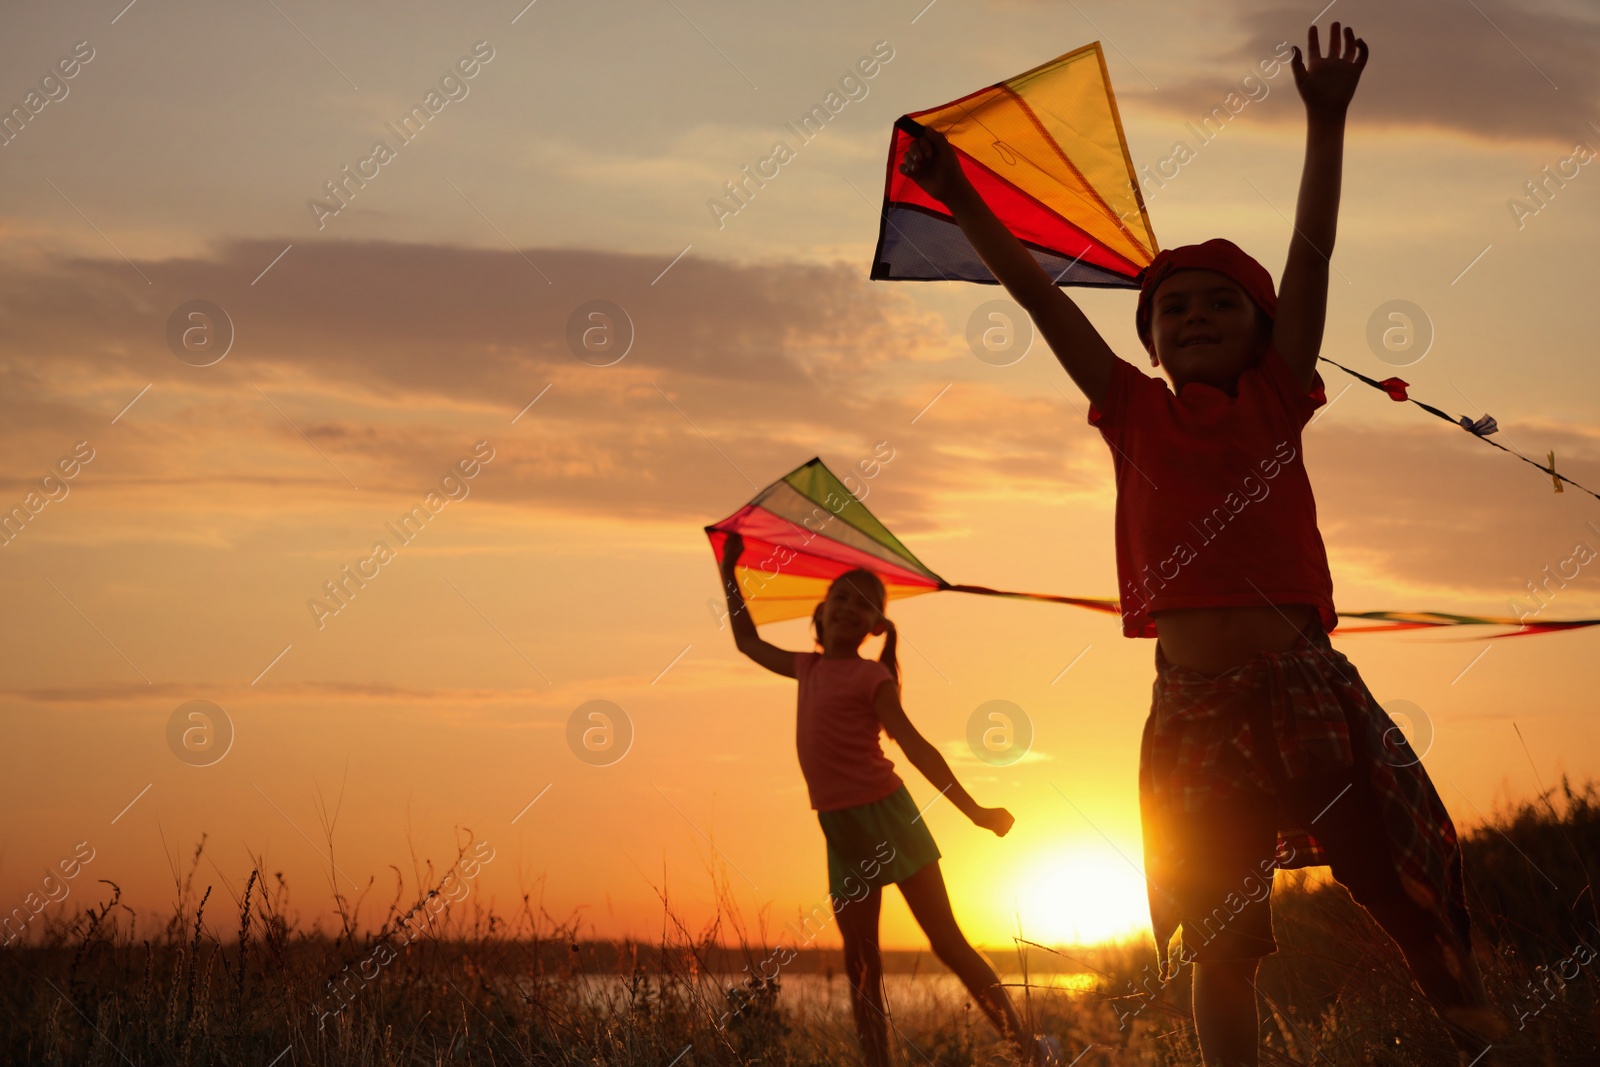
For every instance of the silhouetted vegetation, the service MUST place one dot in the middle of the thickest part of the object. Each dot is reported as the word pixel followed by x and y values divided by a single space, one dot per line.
pixel 468 986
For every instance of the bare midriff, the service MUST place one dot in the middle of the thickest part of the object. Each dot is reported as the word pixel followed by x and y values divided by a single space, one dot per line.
pixel 1214 640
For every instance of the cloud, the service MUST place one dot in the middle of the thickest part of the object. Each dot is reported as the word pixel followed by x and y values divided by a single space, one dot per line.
pixel 128 694
pixel 1427 510
pixel 960 753
pixel 390 359
pixel 396 318
pixel 1487 71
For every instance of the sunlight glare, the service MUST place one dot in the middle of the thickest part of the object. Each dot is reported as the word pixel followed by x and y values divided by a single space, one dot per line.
pixel 1077 897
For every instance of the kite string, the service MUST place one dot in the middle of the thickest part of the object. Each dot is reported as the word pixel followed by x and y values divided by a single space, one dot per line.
pixel 1399 620
pixel 1550 470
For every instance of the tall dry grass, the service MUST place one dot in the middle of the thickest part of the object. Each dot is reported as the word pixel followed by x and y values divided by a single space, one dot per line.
pixel 106 985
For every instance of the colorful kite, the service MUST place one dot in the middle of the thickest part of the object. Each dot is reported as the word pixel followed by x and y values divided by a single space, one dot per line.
pixel 1045 151
pixel 806 529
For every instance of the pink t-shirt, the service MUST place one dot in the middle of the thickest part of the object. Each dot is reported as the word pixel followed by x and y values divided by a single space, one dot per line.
pixel 836 731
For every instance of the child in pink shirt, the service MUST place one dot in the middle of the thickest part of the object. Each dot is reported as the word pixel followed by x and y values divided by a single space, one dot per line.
pixel 874 833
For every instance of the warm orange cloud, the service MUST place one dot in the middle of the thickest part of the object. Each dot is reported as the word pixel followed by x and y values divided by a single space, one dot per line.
pixel 393 359
pixel 1488 71
pixel 1426 508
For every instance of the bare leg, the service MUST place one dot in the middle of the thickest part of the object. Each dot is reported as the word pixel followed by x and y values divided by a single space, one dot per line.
pixel 863 967
pixel 930 905
pixel 1451 982
pixel 1225 1018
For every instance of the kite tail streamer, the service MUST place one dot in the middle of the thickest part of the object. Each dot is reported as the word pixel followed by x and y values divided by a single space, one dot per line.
pixel 1394 620
pixel 1113 607
pixel 1423 620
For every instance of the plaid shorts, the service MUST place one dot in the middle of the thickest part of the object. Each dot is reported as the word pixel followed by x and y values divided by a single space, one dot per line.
pixel 1236 774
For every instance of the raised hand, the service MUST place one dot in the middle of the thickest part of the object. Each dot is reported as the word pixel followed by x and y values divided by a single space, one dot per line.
pixel 1329 82
pixel 931 163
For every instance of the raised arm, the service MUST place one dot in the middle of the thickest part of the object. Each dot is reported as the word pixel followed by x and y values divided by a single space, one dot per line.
pixel 1078 346
pixel 925 758
pixel 1327 86
pixel 770 656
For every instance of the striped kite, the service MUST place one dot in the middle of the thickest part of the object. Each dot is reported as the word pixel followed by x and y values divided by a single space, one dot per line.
pixel 1046 152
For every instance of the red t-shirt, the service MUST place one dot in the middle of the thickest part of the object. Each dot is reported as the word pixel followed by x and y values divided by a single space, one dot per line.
pixel 836 731
pixel 1214 508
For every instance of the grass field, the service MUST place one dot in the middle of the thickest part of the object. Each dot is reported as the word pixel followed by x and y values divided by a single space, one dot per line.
pixel 457 984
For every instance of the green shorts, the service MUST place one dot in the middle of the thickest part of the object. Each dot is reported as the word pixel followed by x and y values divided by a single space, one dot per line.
pixel 875 844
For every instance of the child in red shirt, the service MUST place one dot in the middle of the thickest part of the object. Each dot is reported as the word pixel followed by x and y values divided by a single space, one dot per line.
pixel 874 833
pixel 1260 734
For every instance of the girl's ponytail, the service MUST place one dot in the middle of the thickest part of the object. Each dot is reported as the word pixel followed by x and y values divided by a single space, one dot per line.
pixel 816 623
pixel 889 657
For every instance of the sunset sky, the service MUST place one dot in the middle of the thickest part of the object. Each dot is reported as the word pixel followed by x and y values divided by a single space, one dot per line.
pixel 375 347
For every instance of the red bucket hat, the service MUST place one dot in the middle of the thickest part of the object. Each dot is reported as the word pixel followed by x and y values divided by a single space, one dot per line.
pixel 1218 254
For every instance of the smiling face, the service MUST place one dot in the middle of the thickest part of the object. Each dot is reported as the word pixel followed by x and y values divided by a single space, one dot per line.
pixel 851 612
pixel 1205 329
